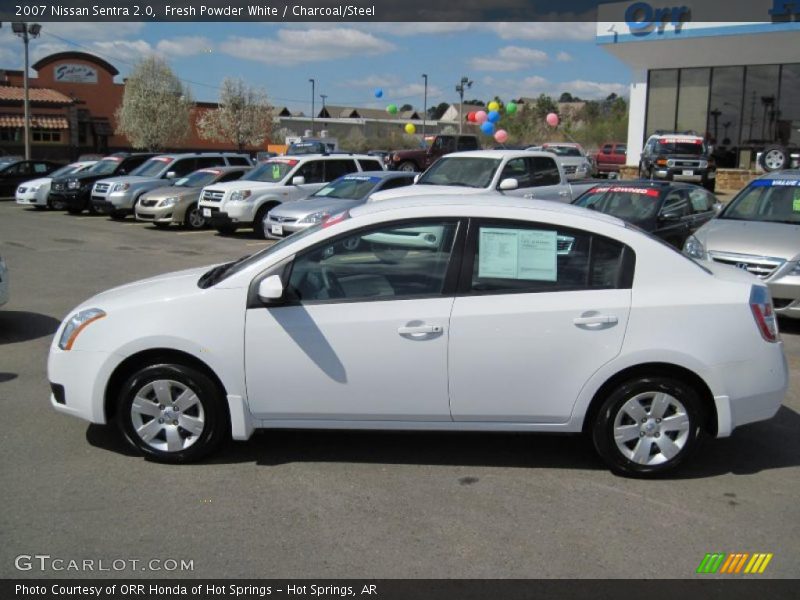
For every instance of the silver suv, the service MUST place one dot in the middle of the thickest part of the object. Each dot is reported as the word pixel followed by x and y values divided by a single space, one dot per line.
pixel 759 231
pixel 118 196
pixel 245 203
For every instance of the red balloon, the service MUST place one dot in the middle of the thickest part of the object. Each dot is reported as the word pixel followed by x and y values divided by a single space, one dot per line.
pixel 471 116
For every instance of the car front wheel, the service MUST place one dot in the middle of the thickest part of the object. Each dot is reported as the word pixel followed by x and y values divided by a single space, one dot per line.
pixel 648 425
pixel 194 218
pixel 172 413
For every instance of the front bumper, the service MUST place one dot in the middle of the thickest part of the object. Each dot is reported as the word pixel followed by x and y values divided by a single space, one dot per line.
pixel 684 174
pixel 82 378
pixel 277 230
pixel 113 201
pixel 232 213
pixel 28 198
pixel 73 199
pixel 785 293
pixel 160 214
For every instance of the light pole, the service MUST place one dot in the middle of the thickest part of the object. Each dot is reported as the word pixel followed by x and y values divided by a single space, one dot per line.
pixel 323 96
pixel 424 105
pixel 464 85
pixel 26 32
pixel 313 83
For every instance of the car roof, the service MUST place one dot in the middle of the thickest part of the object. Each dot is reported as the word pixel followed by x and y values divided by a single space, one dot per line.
pixel 785 174
pixel 482 201
pixel 380 174
pixel 653 183
pixel 224 168
pixel 498 153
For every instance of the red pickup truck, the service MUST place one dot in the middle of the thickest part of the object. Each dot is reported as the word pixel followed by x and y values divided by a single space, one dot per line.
pixel 610 157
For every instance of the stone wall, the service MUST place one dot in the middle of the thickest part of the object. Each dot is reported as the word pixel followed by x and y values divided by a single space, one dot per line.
pixel 727 179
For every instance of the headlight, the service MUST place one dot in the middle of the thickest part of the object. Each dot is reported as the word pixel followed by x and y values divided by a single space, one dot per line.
pixel 34 188
pixel 73 184
pixel 77 323
pixel 315 218
pixel 694 248
pixel 121 187
pixel 796 270
pixel 703 164
pixel 167 202
pixel 240 195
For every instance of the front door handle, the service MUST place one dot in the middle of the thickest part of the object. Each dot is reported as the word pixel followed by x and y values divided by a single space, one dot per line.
pixel 419 330
pixel 528 196
pixel 596 320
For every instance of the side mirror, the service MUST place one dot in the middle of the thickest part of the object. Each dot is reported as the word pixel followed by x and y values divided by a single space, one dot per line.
pixel 298 180
pixel 670 216
pixel 507 184
pixel 270 290
pixel 718 206
pixel 416 177
pixel 171 174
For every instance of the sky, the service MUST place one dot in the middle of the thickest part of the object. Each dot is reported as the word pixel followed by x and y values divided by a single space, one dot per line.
pixel 350 60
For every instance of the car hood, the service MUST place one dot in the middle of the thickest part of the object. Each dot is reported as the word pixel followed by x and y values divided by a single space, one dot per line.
pixel 242 185
pixel 33 182
pixel 421 189
pixel 169 191
pixel 307 206
pixel 780 240
pixel 165 288
pixel 132 179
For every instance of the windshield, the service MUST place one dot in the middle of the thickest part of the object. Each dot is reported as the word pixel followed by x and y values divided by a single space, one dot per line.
pixel 104 167
pixel 563 150
pixel 152 167
pixel 631 204
pixel 197 179
pixel 348 188
pixel 465 171
pixel 681 146
pixel 66 170
pixel 272 171
pixel 776 201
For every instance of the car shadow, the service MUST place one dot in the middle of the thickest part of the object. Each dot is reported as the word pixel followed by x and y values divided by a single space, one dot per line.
pixel 769 445
pixel 22 326
pixel 4 377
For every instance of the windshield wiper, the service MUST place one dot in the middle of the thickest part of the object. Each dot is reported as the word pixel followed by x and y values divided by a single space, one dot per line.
pixel 218 273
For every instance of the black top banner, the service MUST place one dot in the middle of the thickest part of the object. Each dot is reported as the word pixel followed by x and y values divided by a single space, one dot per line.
pixel 278 11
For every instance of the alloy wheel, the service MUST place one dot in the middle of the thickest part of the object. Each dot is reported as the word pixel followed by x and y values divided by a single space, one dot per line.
pixel 167 415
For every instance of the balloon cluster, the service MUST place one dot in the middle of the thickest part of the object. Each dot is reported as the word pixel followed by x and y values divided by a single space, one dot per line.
pixel 392 109
pixel 487 121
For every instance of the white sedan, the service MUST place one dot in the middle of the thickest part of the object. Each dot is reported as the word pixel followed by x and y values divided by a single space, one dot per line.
pixel 35 192
pixel 524 316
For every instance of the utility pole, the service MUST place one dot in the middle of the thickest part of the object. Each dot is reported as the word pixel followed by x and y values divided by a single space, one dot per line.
pixel 464 85
pixel 26 32
pixel 313 83
pixel 425 105
pixel 323 96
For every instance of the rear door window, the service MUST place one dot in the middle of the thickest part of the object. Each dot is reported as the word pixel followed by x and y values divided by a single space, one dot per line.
pixel 338 167
pixel 238 161
pixel 203 162
pixel 313 171
pixel 370 164
pixel 543 171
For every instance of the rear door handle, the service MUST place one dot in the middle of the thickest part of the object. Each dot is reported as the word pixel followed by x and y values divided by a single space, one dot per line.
pixel 419 329
pixel 596 320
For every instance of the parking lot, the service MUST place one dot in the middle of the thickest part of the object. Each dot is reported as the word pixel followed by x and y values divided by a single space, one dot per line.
pixel 343 504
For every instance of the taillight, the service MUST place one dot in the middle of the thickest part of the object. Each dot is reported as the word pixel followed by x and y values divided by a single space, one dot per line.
pixel 763 313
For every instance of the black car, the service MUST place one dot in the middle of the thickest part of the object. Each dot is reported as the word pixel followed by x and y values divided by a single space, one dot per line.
pixel 20 171
pixel 72 192
pixel 669 210
pixel 678 157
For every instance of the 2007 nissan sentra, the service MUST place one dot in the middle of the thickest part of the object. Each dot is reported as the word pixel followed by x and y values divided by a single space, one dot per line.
pixel 519 316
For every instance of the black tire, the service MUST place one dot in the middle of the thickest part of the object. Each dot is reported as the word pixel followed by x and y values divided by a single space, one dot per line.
pixel 258 222
pixel 91 209
pixel 647 436
pixel 774 158
pixel 39 207
pixel 226 229
pixel 193 218
pixel 209 411
pixel 74 210
pixel 408 166
pixel 710 185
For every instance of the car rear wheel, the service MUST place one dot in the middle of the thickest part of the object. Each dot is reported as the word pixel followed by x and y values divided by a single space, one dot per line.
pixel 259 228
pixel 407 166
pixel 194 218
pixel 648 425
pixel 172 413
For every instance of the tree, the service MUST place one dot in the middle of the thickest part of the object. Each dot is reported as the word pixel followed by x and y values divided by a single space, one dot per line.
pixel 244 117
pixel 155 106
pixel 406 107
pixel 475 102
pixel 435 112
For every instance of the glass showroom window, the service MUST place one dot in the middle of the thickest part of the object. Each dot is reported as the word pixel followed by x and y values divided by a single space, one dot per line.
pixel 693 100
pixel 760 104
pixel 662 97
pixel 788 118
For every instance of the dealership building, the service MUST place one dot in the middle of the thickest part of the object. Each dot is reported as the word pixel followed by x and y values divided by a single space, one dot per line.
pixel 736 83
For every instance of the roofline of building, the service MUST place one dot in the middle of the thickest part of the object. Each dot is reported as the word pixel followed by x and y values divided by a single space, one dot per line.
pixel 71 54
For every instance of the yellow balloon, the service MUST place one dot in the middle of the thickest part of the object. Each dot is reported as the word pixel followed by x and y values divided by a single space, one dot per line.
pixel 494 105
pixel 410 129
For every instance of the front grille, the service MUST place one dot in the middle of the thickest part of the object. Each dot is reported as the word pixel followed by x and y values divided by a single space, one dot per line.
pixel 689 164
pixel 761 266
pixel 58 187
pixel 570 169
pixel 564 244
pixel 145 217
pixel 101 188
pixel 148 202
pixel 282 219
pixel 213 195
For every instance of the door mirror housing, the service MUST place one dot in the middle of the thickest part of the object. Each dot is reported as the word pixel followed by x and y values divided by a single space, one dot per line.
pixel 298 180
pixel 171 174
pixel 671 216
pixel 270 289
pixel 416 177
pixel 510 183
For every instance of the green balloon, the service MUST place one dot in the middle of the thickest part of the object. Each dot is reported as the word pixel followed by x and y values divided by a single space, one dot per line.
pixel 392 109
pixel 511 108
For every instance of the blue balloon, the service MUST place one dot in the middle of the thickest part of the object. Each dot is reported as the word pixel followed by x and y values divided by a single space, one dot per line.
pixel 378 93
pixel 487 128
pixel 493 116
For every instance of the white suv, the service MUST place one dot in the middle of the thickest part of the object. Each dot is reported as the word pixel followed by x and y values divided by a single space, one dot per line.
pixel 245 202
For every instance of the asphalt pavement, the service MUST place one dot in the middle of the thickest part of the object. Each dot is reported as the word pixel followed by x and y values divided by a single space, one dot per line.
pixel 341 504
